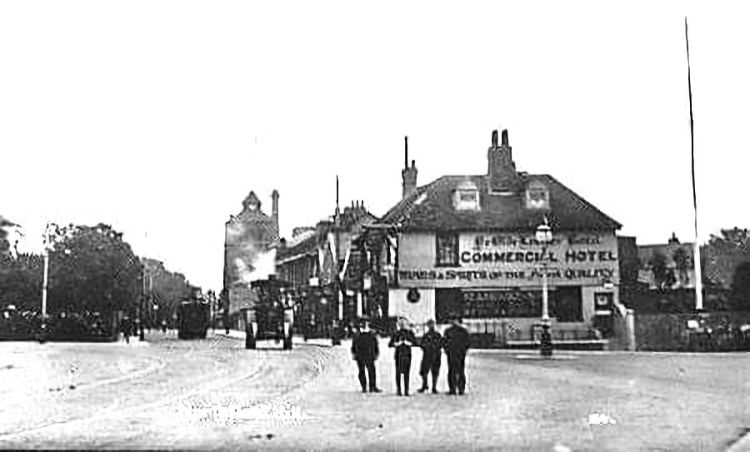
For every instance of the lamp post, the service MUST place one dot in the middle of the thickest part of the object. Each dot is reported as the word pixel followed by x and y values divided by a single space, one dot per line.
pixel 544 236
pixel 45 278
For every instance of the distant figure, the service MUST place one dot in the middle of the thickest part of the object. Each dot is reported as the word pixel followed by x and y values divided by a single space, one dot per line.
pixel 432 344
pixel 163 326
pixel 456 345
pixel 365 352
pixel 403 339
pixel 126 327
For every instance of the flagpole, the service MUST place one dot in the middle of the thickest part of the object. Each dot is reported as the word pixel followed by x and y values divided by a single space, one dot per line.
pixel 696 244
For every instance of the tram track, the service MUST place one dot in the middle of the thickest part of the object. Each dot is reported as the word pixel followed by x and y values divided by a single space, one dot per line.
pixel 108 410
pixel 186 403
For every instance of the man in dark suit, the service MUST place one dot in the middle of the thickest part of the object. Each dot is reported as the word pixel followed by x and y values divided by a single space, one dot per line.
pixel 403 340
pixel 457 343
pixel 432 343
pixel 365 351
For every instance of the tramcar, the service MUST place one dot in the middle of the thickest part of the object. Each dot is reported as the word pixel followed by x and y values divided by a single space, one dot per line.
pixel 193 319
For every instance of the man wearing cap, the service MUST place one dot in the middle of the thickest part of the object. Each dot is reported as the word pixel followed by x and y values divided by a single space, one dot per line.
pixel 432 343
pixel 456 345
pixel 365 351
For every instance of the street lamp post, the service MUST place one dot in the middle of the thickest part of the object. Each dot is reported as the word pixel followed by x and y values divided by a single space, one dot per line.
pixel 544 236
pixel 45 279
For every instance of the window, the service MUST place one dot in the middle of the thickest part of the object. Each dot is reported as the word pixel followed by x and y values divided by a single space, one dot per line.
pixel 568 305
pixel 466 196
pixel 503 303
pixel 447 250
pixel 448 305
pixel 487 304
pixel 537 196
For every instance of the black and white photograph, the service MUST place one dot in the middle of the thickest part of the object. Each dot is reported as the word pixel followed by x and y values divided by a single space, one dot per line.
pixel 398 225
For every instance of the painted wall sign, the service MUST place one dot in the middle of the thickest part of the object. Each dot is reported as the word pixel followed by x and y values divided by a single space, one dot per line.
pixel 517 260
pixel 486 275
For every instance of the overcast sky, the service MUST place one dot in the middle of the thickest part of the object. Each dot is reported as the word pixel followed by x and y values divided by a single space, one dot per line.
pixel 158 117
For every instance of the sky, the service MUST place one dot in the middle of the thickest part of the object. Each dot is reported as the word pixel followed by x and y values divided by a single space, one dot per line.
pixel 159 117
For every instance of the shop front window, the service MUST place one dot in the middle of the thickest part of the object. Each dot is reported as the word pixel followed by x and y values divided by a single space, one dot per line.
pixel 503 304
pixel 568 304
pixel 447 250
pixel 487 304
pixel 449 304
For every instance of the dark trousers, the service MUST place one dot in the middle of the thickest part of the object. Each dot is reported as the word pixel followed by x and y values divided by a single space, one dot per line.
pixel 403 366
pixel 456 375
pixel 369 365
pixel 430 364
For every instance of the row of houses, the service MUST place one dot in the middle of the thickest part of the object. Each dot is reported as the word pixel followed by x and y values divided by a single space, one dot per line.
pixel 458 246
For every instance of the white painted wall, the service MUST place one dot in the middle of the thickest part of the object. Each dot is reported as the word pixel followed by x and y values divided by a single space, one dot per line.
pixel 417 313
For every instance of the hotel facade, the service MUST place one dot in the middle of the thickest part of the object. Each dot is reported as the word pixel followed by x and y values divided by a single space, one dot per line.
pixel 465 246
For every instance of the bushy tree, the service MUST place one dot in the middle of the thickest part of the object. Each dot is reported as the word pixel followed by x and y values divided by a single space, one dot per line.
pixel 724 253
pixel 166 289
pixel 739 296
pixel 21 281
pixel 93 268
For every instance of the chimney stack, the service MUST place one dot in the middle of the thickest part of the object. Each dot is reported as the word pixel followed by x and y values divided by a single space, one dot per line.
pixel 501 169
pixel 408 174
pixel 275 208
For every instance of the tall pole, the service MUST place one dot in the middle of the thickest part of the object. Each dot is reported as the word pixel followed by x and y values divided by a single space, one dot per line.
pixel 45 281
pixel 545 295
pixel 696 244
pixel 141 336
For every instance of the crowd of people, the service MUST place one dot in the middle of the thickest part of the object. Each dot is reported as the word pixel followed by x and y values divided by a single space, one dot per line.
pixel 455 343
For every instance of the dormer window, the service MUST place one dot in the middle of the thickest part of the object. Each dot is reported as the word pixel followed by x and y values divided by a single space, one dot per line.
pixel 466 196
pixel 537 196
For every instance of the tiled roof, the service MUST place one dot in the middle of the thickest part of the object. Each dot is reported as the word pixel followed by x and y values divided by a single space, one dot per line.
pixel 351 219
pixel 430 208
pixel 309 244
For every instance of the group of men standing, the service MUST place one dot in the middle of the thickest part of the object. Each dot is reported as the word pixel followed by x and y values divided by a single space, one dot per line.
pixel 455 343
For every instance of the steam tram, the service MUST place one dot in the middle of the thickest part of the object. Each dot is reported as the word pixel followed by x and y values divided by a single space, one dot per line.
pixel 193 318
pixel 272 317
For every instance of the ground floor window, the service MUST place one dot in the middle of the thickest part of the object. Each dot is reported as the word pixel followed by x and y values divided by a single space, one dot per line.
pixel 568 304
pixel 565 304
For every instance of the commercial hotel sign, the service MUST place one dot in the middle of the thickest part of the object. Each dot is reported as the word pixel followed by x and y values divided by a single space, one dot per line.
pixel 517 260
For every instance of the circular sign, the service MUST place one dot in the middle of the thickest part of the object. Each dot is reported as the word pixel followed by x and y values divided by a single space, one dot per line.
pixel 413 295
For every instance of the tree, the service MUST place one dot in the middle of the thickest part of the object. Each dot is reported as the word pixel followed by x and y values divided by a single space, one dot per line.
pixel 682 263
pixel 659 269
pixel 739 296
pixel 4 242
pixel 21 281
pixel 167 289
pixel 724 253
pixel 93 268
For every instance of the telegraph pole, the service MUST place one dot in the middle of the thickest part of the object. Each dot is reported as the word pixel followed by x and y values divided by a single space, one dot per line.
pixel 696 244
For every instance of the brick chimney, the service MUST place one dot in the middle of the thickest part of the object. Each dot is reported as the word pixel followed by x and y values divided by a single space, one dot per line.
pixel 408 174
pixel 501 169
pixel 275 208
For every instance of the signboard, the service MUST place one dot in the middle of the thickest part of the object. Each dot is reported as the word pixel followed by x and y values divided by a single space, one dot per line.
pixel 520 260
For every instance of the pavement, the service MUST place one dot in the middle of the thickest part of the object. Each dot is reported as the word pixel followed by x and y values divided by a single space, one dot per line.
pixel 213 394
